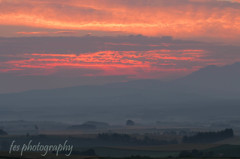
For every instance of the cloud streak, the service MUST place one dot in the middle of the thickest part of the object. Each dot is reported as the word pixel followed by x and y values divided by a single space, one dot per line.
pixel 129 56
pixel 185 18
pixel 48 33
pixel 31 62
pixel 134 64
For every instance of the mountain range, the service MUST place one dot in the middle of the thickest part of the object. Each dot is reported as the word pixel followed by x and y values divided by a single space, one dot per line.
pixel 211 93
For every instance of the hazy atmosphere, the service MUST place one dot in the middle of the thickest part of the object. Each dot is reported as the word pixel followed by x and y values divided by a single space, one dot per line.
pixel 56 44
pixel 121 78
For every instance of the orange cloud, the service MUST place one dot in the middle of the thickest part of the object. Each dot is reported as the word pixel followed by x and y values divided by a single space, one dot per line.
pixel 186 18
pixel 137 64
pixel 47 33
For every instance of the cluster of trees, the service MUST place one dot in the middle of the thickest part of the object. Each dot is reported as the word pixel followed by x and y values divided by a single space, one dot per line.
pixel 124 138
pixel 130 123
pixel 196 153
pixel 83 127
pixel 90 125
pixel 206 137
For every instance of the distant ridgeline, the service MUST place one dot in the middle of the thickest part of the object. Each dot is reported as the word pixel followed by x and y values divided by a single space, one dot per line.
pixel 206 137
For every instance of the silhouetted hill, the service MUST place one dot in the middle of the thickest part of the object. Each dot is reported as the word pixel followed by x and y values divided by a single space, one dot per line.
pixel 213 78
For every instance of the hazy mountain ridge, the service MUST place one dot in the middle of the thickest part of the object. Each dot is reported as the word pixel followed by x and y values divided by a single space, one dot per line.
pixel 204 90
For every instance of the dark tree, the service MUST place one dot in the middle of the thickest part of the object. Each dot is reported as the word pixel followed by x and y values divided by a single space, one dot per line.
pixel 130 123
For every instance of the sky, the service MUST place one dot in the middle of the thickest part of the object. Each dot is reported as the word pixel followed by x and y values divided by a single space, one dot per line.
pixel 60 43
pixel 179 18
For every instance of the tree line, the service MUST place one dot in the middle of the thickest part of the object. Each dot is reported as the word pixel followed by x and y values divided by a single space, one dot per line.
pixel 125 138
pixel 206 137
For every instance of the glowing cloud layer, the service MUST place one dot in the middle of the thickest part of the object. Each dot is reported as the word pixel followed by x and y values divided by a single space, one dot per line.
pixel 185 18
pixel 131 63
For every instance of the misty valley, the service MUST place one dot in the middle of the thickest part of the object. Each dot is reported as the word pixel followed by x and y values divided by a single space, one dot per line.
pixel 129 140
pixel 130 119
